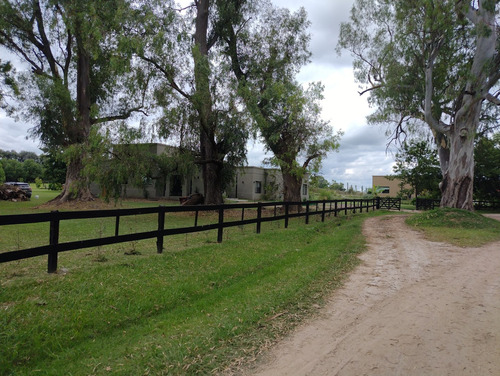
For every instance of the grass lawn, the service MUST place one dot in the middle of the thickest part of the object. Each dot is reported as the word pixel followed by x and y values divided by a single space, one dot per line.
pixel 199 307
pixel 458 227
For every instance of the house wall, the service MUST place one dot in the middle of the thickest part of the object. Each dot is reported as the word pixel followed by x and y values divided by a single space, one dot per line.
pixel 393 186
pixel 270 181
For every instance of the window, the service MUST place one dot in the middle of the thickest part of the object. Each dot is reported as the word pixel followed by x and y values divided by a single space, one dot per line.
pixel 304 189
pixel 258 187
pixel 385 190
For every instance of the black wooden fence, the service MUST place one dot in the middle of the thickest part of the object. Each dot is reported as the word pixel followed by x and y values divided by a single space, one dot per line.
pixel 278 211
pixel 429 204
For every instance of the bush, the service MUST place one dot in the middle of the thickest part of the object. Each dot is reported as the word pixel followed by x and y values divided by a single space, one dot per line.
pixel 38 183
pixel 55 186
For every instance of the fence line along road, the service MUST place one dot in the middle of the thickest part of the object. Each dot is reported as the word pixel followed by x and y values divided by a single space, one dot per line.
pixel 286 212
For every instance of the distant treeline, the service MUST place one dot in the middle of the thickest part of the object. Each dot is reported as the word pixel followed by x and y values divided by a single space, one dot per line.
pixel 29 167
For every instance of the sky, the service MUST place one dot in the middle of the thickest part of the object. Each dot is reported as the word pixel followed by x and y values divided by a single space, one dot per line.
pixel 363 148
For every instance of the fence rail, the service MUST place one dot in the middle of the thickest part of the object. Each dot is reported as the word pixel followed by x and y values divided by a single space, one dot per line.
pixel 281 211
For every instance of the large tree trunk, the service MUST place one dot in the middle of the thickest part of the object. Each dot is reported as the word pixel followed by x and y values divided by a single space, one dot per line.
pixel 211 162
pixel 77 186
pixel 211 171
pixel 458 179
pixel 291 186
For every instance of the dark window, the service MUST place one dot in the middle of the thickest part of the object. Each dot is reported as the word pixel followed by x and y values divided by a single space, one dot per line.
pixel 175 185
pixel 304 189
pixel 258 187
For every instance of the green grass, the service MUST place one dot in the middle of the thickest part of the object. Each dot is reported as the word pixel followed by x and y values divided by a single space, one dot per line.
pixel 459 227
pixel 199 307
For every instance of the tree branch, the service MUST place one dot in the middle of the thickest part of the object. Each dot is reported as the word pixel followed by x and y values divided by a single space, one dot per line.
pixel 429 90
pixel 493 99
pixel 370 89
pixel 122 116
pixel 168 75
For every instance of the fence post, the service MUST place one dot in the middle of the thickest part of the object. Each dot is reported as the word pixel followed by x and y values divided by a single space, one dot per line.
pixel 323 214
pixel 161 227
pixel 196 218
pixel 54 241
pixel 345 207
pixel 286 214
pixel 378 203
pixel 117 225
pixel 259 216
pixel 335 213
pixel 307 213
pixel 220 230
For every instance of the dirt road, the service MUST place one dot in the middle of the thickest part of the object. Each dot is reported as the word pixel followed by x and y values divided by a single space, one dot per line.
pixel 413 307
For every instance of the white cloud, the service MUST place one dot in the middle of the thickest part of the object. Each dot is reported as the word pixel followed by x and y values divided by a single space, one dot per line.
pixel 14 135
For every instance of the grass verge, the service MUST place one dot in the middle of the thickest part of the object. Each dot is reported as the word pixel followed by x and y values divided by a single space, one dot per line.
pixel 196 310
pixel 459 227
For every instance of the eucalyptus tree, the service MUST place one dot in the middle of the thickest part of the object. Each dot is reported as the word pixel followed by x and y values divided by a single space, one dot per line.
pixel 433 63
pixel 192 86
pixel 266 55
pixel 73 76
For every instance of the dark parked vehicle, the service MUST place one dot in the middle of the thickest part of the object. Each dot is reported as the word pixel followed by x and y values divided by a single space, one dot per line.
pixel 25 187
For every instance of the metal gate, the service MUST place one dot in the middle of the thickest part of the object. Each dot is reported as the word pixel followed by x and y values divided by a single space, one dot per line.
pixel 389 203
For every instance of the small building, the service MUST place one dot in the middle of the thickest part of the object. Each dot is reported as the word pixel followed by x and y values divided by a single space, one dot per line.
pixel 250 183
pixel 388 186
pixel 258 183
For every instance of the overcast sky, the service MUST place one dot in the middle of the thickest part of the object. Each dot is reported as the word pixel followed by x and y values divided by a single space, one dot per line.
pixel 363 148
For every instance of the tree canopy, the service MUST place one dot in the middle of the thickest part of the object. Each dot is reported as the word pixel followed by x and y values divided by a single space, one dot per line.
pixel 266 56
pixel 78 77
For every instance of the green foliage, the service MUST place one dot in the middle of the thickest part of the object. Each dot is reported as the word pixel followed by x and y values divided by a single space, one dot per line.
pixel 318 181
pixel 32 170
pixel 13 170
pixel 8 85
pixel 487 168
pixel 54 166
pixel 2 174
pixel 191 85
pixel 265 59
pixel 417 165
pixel 392 42
pixel 337 186
pixel 77 73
